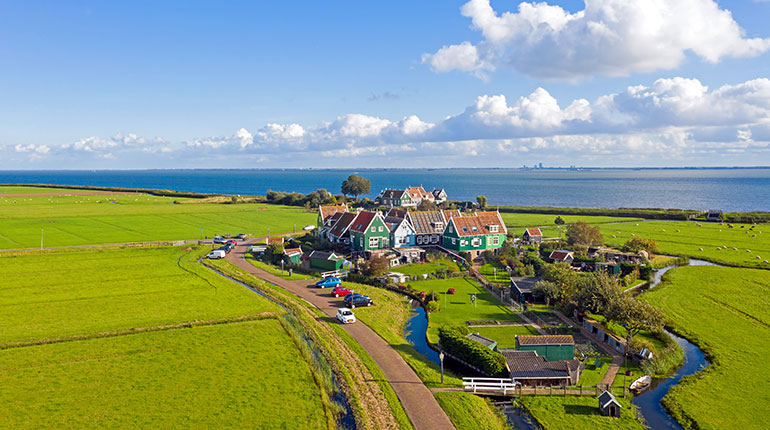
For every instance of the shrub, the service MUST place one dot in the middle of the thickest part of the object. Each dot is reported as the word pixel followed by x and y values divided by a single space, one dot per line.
pixel 453 341
pixel 433 306
pixel 451 291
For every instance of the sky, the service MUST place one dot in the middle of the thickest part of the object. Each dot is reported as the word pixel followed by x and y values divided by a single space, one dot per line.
pixel 351 84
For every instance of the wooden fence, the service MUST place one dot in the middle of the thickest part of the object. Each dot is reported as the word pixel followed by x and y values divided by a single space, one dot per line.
pixel 507 387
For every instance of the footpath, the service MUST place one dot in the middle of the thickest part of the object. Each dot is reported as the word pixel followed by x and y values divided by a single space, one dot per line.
pixel 418 401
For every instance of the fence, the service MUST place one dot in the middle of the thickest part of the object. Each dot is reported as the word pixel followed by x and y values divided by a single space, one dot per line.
pixel 509 387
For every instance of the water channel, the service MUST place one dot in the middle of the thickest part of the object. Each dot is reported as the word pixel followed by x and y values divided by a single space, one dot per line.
pixel 346 420
pixel 649 402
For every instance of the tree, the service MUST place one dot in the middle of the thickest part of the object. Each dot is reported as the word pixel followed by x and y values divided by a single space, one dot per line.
pixel 637 244
pixel 581 233
pixel 635 315
pixel 547 291
pixel 426 205
pixel 559 221
pixel 564 277
pixel 375 266
pixel 355 185
pixel 597 292
pixel 482 201
pixel 274 253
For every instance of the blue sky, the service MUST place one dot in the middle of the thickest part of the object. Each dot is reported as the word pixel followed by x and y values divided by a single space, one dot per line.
pixel 389 84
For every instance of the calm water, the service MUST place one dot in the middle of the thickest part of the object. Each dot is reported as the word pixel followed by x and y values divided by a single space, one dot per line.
pixel 726 189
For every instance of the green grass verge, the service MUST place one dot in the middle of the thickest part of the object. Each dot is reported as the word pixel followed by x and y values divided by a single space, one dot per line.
pixel 47 295
pixel 210 376
pixel 725 312
pixel 273 270
pixel 569 413
pixel 457 308
pixel 470 412
pixel 120 218
pixel 686 238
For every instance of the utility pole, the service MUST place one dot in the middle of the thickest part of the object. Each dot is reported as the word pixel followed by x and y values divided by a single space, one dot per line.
pixel 441 357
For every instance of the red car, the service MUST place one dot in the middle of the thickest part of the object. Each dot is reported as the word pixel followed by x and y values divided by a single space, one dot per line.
pixel 339 290
pixel 233 241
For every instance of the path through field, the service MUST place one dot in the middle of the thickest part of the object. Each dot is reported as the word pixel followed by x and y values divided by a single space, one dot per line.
pixel 419 403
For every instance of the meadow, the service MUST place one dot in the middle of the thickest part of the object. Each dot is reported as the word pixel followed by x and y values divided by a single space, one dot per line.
pixel 752 243
pixel 484 417
pixel 66 220
pixel 726 312
pixel 215 376
pixel 569 413
pixel 522 220
pixel 429 267
pixel 47 295
pixel 456 309
pixel 505 336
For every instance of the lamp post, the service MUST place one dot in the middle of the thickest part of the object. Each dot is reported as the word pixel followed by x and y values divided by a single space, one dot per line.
pixel 41 239
pixel 441 358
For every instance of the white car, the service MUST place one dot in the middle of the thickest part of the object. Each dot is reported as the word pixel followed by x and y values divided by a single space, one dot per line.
pixel 216 254
pixel 345 316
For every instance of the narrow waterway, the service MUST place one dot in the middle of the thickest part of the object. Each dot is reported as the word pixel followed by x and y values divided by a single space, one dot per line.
pixel 346 419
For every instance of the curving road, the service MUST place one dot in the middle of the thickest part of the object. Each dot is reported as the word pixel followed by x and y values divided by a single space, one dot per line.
pixel 420 405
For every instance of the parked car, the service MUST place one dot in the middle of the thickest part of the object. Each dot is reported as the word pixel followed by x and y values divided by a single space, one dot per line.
pixel 328 282
pixel 216 254
pixel 240 236
pixel 220 240
pixel 232 241
pixel 228 247
pixel 354 299
pixel 339 290
pixel 345 316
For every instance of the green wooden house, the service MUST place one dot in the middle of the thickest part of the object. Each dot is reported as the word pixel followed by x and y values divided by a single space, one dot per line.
pixel 326 260
pixel 552 347
pixel 475 233
pixel 292 255
pixel 327 216
pixel 369 231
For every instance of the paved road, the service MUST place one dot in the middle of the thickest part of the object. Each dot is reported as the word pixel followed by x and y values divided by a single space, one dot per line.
pixel 419 403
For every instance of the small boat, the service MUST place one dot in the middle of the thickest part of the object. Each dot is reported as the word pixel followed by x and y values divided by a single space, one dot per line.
pixel 641 383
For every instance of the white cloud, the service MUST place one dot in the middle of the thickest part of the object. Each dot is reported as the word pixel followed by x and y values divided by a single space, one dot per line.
pixel 608 37
pixel 33 149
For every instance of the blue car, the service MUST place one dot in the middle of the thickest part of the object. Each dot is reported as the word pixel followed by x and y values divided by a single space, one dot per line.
pixel 328 282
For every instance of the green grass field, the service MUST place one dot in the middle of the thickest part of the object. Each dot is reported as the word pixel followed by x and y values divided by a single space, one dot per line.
pixel 242 375
pixel 505 336
pixel 726 311
pixel 120 218
pixel 495 274
pixel 592 375
pixel 518 221
pixel 458 405
pixel 55 294
pixel 570 413
pixel 686 238
pixel 275 270
pixel 432 267
pixel 456 309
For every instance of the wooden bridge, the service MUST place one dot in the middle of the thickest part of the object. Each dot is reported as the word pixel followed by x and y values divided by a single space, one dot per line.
pixel 506 387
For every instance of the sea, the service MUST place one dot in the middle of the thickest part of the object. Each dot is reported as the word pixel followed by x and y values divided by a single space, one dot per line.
pixel 727 189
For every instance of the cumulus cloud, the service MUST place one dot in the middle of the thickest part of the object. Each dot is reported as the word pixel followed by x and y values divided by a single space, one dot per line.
pixel 607 37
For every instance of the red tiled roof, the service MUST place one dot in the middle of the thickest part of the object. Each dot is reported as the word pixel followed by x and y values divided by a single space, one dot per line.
pixel 534 232
pixel 449 214
pixel 327 211
pixel 478 224
pixel 342 224
pixel 418 193
pixel 559 255
pixel 396 213
pixel 274 240
pixel 292 251
pixel 362 221
pixel 558 339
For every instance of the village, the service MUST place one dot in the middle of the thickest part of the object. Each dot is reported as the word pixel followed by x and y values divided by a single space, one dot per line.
pixel 584 350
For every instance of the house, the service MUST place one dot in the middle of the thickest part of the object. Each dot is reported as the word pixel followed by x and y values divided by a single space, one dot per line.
pixel 401 232
pixel 714 216
pixel 552 347
pixel 475 233
pixel 369 231
pixel 391 198
pixel 609 268
pixel 528 368
pixel 521 288
pixel 411 254
pixel 622 257
pixel 561 256
pixel 418 194
pixel 292 255
pixel 396 213
pixel 339 231
pixel 428 227
pixel 439 196
pixel 327 216
pixel 532 235
pixel 326 260
pixel 397 277
pixel 489 343
pixel 604 335
pixel 608 405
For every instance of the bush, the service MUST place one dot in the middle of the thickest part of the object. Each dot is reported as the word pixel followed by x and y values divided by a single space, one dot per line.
pixel 451 291
pixel 453 341
pixel 433 306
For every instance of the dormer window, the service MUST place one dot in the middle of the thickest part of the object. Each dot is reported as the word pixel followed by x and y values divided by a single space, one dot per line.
pixel 465 229
pixel 493 228
pixel 475 229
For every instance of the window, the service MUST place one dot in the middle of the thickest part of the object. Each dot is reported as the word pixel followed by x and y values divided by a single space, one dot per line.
pixel 476 242
pixel 496 240
pixel 362 242
pixel 380 229
pixel 454 241
pixel 463 243
pixel 465 229
pixel 374 229
pixel 419 239
pixel 493 228
pixel 474 228
pixel 374 242
pixel 451 230
pixel 434 239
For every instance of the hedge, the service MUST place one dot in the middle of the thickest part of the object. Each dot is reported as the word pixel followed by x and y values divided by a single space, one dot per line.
pixel 453 341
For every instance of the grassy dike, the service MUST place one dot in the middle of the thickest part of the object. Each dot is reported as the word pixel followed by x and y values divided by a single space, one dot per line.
pixel 374 406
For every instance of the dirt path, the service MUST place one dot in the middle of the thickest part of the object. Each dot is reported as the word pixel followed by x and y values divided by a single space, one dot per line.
pixel 419 403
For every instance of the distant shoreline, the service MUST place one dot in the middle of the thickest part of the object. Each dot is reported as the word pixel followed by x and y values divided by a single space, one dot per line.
pixel 380 169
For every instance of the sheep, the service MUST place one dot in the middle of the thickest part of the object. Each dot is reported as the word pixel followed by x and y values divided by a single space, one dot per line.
pixel 735 249
pixel 701 249
pixel 677 230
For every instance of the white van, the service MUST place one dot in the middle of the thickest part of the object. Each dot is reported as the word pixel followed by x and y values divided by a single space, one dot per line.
pixel 216 254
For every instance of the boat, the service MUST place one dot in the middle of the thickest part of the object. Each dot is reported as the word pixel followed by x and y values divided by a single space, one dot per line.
pixel 641 383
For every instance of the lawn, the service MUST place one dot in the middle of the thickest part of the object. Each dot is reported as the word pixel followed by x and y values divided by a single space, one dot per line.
pixel 456 309
pixel 620 331
pixel 593 375
pixel 204 377
pixel 431 267
pixel 495 274
pixel 274 270
pixel 57 294
pixel 569 413
pixel 726 312
pixel 119 218
pixel 484 415
pixel 505 336
pixel 686 238
pixel 522 220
